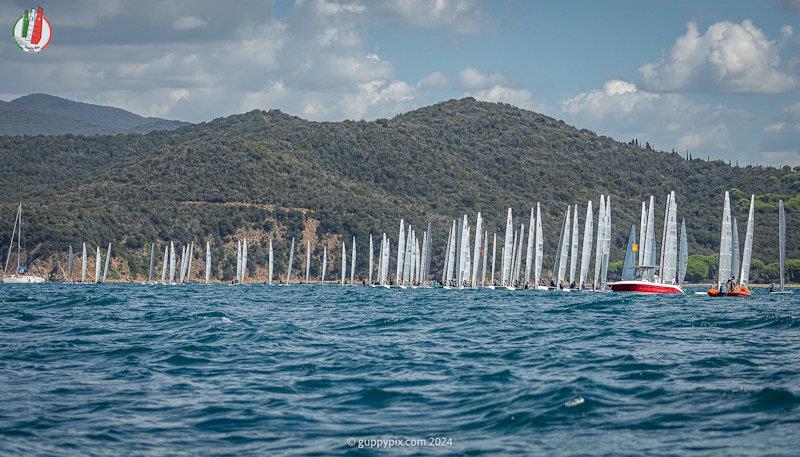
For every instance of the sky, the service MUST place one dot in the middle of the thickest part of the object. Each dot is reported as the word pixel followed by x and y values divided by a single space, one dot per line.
pixel 714 78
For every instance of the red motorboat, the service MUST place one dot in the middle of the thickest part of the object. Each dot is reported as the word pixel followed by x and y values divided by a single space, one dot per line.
pixel 643 286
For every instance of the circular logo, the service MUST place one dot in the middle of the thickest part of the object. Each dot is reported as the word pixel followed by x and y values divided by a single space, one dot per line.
pixel 32 30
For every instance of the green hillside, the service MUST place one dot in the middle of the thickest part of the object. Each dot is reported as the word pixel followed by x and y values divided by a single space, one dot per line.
pixel 263 174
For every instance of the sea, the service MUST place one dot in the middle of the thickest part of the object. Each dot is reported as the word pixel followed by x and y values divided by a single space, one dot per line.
pixel 130 369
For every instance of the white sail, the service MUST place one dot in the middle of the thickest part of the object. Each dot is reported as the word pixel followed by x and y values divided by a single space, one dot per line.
pixel 324 264
pixel 401 243
pixel 308 261
pixel 642 234
pixel 529 248
pixel 407 260
pixel 344 261
pixel 353 262
pixel 451 256
pixel 781 242
pixel 485 256
pixel 208 261
pixel 564 252
pixel 181 266
pixel 70 259
pixel 494 256
pixel 573 261
pixel 744 275
pixel 725 245
pixel 172 262
pixel 606 244
pixel 586 251
pixel 108 260
pixel 649 238
pixel 445 278
pixel 164 267
pixel 735 250
pixel 513 258
pixel 683 253
pixel 539 254
pixel 507 248
pixel 270 266
pixel 238 260
pixel 83 264
pixel 291 258
pixel 387 253
pixel 97 259
pixel 189 262
pixel 518 263
pixel 152 262
pixel 670 248
pixel 465 260
pixel 244 260
pixel 370 259
pixel 664 238
pixel 598 249
pixel 476 251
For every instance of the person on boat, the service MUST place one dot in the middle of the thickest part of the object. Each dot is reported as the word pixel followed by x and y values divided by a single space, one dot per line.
pixel 553 283
pixel 771 287
pixel 572 285
pixel 729 286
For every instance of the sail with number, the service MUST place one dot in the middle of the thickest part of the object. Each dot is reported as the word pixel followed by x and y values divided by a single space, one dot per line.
pixel 401 242
pixel 565 243
pixel 164 267
pixel 476 251
pixel 344 261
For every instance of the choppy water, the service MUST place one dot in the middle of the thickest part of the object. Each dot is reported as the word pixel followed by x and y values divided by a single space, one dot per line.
pixel 130 369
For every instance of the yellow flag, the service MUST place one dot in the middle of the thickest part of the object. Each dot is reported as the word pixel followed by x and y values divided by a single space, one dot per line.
pixel 635 247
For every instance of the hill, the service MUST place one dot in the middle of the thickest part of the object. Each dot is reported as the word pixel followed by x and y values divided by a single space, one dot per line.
pixel 265 173
pixel 40 114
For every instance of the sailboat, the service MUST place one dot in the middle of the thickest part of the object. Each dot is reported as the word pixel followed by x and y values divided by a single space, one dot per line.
pixel 726 286
pixel 666 282
pixel 782 248
pixel 20 275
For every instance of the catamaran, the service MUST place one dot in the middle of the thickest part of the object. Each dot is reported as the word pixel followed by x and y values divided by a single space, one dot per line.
pixel 781 248
pixel 21 274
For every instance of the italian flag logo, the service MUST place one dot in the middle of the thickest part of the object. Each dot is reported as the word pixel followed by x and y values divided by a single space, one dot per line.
pixel 32 30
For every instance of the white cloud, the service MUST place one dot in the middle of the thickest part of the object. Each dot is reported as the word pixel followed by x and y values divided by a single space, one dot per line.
pixel 435 80
pixel 728 57
pixel 472 78
pixel 188 22
pixel 782 137
pixel 521 98
pixel 667 121
pixel 461 16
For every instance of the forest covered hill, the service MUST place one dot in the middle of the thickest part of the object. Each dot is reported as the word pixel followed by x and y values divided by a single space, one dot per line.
pixel 40 114
pixel 266 174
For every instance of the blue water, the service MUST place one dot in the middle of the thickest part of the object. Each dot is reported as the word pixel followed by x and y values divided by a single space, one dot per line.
pixel 143 370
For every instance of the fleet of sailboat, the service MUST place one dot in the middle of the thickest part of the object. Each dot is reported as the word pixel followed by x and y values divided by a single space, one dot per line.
pixel 648 267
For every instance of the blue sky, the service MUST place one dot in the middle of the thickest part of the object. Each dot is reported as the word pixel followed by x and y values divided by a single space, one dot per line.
pixel 716 78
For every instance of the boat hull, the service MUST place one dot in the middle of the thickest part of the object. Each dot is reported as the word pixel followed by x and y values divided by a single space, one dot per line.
pixel 645 287
pixel 25 279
